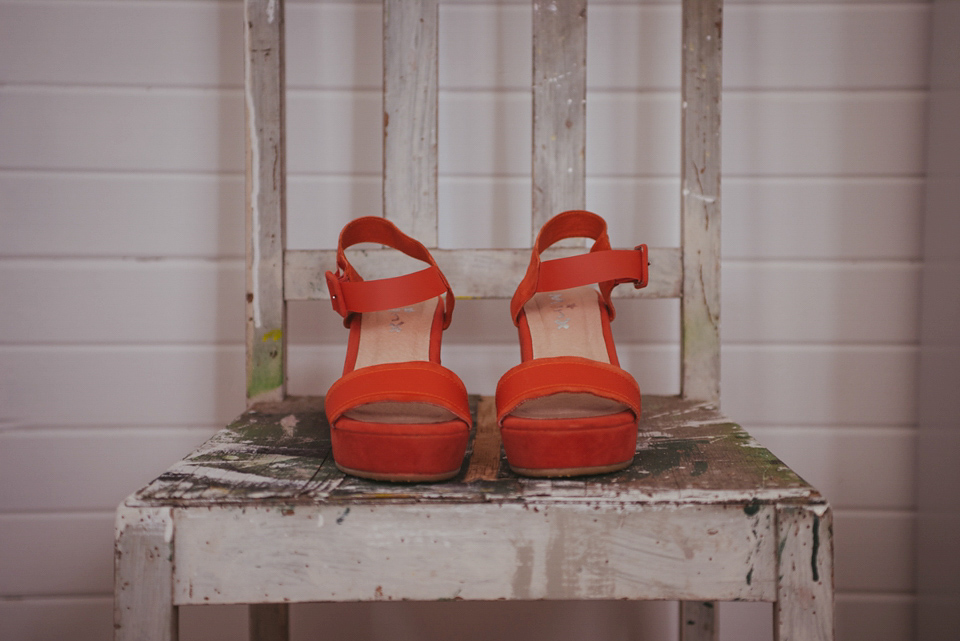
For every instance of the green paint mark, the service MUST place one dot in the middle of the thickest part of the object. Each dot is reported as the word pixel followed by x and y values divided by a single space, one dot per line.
pixel 267 371
pixel 699 467
pixel 816 547
pixel 343 516
pixel 752 507
pixel 750 576
pixel 273 335
pixel 783 544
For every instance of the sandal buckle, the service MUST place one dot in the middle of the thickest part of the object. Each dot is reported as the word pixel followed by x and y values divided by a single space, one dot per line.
pixel 336 293
pixel 644 268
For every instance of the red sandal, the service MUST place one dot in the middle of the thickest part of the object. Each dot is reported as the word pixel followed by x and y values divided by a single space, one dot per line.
pixel 569 409
pixel 396 414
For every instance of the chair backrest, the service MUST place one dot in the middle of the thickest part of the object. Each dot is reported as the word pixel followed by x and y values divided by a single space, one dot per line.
pixel 275 275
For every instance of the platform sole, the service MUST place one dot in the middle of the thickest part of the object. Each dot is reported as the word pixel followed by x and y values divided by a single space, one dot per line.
pixel 570 447
pixel 402 453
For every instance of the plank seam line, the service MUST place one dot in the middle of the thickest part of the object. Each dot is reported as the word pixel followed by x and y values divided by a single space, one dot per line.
pixel 66 596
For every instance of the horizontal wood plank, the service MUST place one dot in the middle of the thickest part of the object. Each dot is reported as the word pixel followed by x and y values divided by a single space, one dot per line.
pixel 486 273
pixel 133 456
pixel 842 463
pixel 282 451
pixel 874 555
pixel 201 131
pixel 766 385
pixel 56 554
pixel 149 215
pixel 424 552
pixel 192 301
pixel 47 470
pixel 820 384
pixel 632 45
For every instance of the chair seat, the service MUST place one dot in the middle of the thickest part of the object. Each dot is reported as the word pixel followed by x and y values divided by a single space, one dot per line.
pixel 695 517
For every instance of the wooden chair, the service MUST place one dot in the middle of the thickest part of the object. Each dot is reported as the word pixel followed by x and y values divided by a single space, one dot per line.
pixel 260 515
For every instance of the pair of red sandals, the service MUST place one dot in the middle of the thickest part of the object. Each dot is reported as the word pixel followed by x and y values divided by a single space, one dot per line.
pixel 567 409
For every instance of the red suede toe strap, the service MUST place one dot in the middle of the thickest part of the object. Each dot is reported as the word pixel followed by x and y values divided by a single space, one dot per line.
pixel 412 381
pixel 546 376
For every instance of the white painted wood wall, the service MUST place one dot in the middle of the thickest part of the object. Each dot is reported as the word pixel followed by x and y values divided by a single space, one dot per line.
pixel 121 270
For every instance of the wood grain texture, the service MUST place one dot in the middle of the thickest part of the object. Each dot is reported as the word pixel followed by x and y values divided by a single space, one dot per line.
pixel 265 90
pixel 410 117
pixel 143 596
pixel 472 273
pixel 699 621
pixel 694 518
pixel 269 622
pixel 700 199
pixel 805 592
pixel 401 549
pixel 687 452
pixel 485 445
pixel 559 109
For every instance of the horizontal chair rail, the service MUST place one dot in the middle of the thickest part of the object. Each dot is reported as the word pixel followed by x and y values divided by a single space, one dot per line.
pixel 473 273
pixel 428 552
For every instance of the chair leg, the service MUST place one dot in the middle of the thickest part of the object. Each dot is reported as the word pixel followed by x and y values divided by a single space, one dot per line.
pixel 269 622
pixel 805 598
pixel 143 607
pixel 698 621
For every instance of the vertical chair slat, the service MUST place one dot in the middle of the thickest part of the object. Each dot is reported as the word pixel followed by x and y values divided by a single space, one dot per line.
pixel 266 199
pixel 700 199
pixel 410 117
pixel 559 108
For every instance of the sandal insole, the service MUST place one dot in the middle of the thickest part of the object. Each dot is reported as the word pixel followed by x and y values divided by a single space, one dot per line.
pixel 567 323
pixel 397 336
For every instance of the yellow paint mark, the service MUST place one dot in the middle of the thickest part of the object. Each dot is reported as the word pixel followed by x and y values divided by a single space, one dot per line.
pixel 273 335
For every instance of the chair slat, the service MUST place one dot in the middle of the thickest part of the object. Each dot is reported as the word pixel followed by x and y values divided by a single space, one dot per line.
pixel 700 201
pixel 559 109
pixel 266 199
pixel 410 117
pixel 474 273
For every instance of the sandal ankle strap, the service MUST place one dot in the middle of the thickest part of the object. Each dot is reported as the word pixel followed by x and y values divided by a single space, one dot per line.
pixel 351 294
pixel 603 265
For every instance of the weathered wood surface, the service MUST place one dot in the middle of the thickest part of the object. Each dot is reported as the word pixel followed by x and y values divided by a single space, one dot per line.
pixel 485 445
pixel 687 453
pixel 805 592
pixel 473 273
pixel 700 199
pixel 143 575
pixel 266 199
pixel 410 117
pixel 559 109
pixel 694 518
pixel 698 621
pixel 394 550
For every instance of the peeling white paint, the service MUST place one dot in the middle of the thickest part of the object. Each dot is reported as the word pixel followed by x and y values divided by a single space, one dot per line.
pixel 288 423
pixel 700 197
pixel 254 185
pixel 231 477
pixel 271 11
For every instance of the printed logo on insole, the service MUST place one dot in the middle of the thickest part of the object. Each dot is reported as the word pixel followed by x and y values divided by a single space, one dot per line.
pixel 396 320
pixel 557 305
